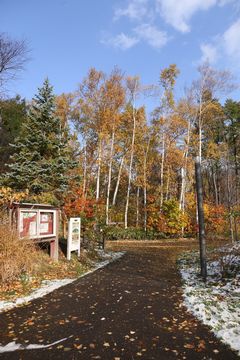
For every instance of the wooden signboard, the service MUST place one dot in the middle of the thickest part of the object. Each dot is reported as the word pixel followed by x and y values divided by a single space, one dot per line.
pixel 74 232
pixel 38 222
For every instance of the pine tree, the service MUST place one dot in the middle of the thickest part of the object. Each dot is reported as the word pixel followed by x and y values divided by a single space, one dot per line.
pixel 41 159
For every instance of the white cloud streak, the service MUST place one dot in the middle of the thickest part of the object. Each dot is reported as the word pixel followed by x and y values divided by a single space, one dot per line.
pixel 209 53
pixel 120 41
pixel 152 35
pixel 231 40
pixel 178 13
pixel 136 10
pixel 225 46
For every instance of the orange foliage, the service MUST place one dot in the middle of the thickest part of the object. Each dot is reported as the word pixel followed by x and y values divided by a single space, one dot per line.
pixel 215 218
pixel 76 204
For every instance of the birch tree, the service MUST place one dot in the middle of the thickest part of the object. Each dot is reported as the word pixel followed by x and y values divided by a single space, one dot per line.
pixel 167 82
pixel 115 92
pixel 210 84
pixel 133 87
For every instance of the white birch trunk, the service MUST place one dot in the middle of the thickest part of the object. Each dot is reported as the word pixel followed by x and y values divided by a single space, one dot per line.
pixel 85 170
pixel 118 181
pixel 130 167
pixel 145 186
pixel 162 168
pixel 215 186
pixel 137 207
pixel 184 171
pixel 109 176
pixel 167 186
pixel 229 204
pixel 99 162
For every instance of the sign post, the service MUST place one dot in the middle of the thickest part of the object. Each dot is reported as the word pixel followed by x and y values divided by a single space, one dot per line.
pixel 74 232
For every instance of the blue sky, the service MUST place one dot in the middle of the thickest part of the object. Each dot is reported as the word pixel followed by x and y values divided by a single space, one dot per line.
pixel 141 37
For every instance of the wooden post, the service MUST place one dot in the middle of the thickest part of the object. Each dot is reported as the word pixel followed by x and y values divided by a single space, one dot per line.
pixel 54 243
pixel 201 230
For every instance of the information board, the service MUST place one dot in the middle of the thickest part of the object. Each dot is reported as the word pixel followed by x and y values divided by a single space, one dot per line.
pixel 28 223
pixel 37 223
pixel 46 223
pixel 74 232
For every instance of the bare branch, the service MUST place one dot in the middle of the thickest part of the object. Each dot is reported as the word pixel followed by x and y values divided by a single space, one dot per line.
pixel 13 56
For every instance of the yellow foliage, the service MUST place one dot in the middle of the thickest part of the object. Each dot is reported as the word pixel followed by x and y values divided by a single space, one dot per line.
pixel 8 196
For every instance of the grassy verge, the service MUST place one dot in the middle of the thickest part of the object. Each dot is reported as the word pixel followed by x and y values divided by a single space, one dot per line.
pixel 24 266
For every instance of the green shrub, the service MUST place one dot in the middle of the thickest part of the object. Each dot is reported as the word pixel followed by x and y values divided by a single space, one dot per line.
pixel 131 233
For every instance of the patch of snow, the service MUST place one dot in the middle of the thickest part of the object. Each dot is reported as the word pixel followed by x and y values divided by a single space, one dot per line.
pixel 13 346
pixel 51 285
pixel 216 303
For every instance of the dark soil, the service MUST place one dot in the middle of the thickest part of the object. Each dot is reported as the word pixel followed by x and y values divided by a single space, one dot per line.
pixel 131 309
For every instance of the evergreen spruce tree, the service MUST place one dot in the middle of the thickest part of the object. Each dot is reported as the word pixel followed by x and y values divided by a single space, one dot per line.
pixel 41 159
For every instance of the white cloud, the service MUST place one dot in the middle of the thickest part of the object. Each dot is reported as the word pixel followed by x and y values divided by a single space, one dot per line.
pixel 135 10
pixel 178 13
pixel 225 2
pixel 152 35
pixel 209 53
pixel 231 40
pixel 120 41
pixel 224 46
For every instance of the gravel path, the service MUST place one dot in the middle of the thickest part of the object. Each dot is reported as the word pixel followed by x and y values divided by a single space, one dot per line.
pixel 132 309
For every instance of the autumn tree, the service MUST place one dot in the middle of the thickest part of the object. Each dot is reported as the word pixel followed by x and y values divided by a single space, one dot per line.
pixel 204 91
pixel 161 116
pixel 89 113
pixel 133 87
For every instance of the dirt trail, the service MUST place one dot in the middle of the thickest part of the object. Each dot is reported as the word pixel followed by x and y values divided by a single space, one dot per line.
pixel 132 309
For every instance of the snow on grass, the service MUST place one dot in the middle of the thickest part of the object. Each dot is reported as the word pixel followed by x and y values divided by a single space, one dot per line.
pixel 216 303
pixel 48 286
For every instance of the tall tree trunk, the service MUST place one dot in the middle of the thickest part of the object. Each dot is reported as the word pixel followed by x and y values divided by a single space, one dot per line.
pixel 145 185
pixel 236 164
pixel 162 168
pixel 229 203
pixel 167 185
pixel 110 175
pixel 184 171
pixel 85 170
pixel 200 127
pixel 130 166
pixel 118 181
pixel 137 207
pixel 182 200
pixel 236 187
pixel 200 143
pixel 215 186
pixel 99 163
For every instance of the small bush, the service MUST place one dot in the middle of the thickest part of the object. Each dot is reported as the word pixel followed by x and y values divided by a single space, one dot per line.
pixel 230 262
pixel 17 256
pixel 91 240
pixel 117 233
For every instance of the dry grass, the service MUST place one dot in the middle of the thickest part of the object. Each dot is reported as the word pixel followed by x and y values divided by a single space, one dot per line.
pixel 17 256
